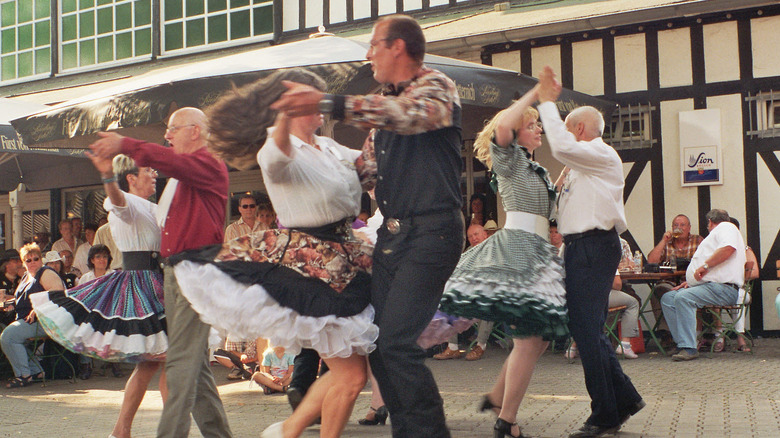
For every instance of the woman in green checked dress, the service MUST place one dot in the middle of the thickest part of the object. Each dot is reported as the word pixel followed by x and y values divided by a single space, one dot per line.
pixel 515 276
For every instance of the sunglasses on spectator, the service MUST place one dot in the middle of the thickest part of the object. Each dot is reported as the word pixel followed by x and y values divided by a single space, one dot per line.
pixel 33 259
pixel 249 206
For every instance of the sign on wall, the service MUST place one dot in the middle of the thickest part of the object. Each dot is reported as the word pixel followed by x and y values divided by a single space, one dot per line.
pixel 700 148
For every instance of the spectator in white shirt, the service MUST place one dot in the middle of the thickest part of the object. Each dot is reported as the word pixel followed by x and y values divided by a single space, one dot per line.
pixel 248 222
pixel 68 239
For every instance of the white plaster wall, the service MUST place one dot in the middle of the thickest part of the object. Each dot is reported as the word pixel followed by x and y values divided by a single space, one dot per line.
pixel 764 32
pixel 730 196
pixel 439 2
pixel 507 60
pixel 721 52
pixel 677 199
pixel 768 207
pixel 385 7
pixel 290 11
pixel 674 57
pixel 361 9
pixel 638 208
pixel 587 67
pixel 630 63
pixel 338 11
pixel 410 5
pixel 769 293
pixel 549 55
pixel 314 13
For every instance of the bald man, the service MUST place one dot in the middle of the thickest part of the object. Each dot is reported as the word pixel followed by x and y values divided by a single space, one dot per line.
pixel 191 214
pixel 590 217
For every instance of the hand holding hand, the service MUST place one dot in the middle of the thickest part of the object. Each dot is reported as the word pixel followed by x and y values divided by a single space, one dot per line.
pixel 298 100
pixel 549 87
pixel 109 145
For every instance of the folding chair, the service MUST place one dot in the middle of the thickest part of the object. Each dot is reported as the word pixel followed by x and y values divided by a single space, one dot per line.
pixel 735 313
pixel 36 348
pixel 614 314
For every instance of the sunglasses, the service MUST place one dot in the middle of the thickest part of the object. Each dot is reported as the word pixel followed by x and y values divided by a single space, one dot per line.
pixel 33 259
pixel 245 206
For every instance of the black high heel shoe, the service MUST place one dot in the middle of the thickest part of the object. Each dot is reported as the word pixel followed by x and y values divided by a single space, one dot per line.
pixel 488 405
pixel 380 417
pixel 503 429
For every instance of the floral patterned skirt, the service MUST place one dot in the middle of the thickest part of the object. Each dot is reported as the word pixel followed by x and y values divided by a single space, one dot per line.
pixel 296 288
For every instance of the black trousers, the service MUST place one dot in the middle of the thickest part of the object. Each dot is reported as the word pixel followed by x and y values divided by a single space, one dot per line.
pixel 409 273
pixel 306 367
pixel 591 263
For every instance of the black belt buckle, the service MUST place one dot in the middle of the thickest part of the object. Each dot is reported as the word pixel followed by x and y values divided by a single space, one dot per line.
pixel 393 225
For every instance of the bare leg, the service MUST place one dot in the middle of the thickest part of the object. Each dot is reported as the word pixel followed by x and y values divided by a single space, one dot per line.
pixel 135 389
pixel 265 379
pixel 376 396
pixel 519 367
pixel 340 387
pixel 163 383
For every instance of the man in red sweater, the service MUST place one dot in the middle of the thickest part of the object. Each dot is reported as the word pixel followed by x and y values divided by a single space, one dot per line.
pixel 191 214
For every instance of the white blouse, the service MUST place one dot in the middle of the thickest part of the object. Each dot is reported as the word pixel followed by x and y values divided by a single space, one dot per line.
pixel 313 187
pixel 134 226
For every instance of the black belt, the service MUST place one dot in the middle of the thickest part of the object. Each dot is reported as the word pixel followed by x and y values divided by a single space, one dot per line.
pixel 732 285
pixel 395 226
pixel 568 238
pixel 141 261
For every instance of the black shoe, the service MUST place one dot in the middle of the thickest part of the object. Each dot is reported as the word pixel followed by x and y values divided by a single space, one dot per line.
pixel 632 410
pixel 487 404
pixel 294 397
pixel 85 371
pixel 380 417
pixel 503 429
pixel 592 431
pixel 116 370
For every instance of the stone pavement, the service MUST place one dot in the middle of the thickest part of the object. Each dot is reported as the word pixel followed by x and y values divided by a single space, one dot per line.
pixel 726 395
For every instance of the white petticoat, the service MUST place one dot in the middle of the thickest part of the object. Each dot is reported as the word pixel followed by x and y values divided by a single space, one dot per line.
pixel 248 312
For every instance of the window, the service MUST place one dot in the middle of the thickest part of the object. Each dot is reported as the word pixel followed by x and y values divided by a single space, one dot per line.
pixel 630 128
pixel 104 31
pixel 190 24
pixel 764 115
pixel 25 39
pixel 35 221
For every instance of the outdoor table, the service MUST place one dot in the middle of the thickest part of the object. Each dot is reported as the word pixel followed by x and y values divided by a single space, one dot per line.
pixel 650 279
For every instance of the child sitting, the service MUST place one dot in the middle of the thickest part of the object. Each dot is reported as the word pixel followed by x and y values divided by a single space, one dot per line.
pixel 276 371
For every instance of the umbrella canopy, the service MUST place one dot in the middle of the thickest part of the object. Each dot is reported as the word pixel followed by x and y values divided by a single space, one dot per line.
pixel 38 169
pixel 140 106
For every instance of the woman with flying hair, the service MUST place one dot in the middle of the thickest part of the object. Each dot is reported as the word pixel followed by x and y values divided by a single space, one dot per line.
pixel 515 276
pixel 304 286
pixel 119 317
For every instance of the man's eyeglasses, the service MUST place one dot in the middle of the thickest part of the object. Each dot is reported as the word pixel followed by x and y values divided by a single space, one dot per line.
pixel 245 206
pixel 173 129
pixel 32 259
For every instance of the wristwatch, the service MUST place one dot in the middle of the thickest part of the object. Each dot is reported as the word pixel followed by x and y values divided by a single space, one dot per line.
pixel 706 266
pixel 326 104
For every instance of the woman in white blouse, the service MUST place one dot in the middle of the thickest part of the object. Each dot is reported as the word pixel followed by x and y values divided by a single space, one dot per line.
pixel 306 286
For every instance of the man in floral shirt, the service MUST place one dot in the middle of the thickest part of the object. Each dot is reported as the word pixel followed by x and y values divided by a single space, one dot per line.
pixel 416 138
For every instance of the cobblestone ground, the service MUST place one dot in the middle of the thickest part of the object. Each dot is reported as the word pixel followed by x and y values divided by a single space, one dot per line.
pixel 725 395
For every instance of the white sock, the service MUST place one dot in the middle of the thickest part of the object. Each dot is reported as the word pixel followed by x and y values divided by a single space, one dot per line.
pixel 626 345
pixel 452 346
pixel 482 346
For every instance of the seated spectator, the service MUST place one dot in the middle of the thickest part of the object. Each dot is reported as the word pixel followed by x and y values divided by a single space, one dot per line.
pixel 37 279
pixel 248 222
pixel 683 247
pixel 267 215
pixel 42 239
pixel 475 234
pixel 739 325
pixel 714 277
pixel 80 256
pixel 276 371
pixel 54 261
pixel 98 261
pixel 68 239
pixel 67 263
pixel 75 225
pixel 240 356
pixel 629 323
pixel 11 271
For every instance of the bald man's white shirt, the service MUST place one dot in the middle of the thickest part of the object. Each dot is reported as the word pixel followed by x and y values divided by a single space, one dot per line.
pixel 592 194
